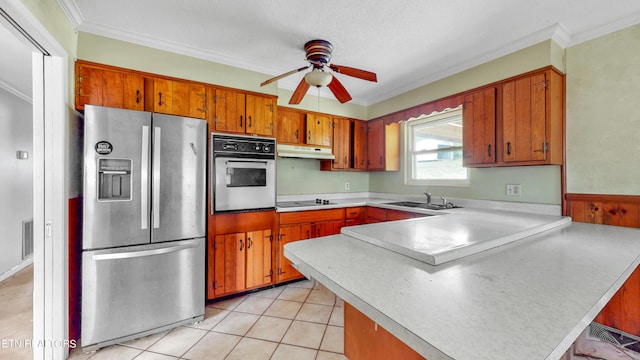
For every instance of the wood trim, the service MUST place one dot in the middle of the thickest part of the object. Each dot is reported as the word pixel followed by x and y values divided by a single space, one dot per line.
pixel 602 197
pixel 243 222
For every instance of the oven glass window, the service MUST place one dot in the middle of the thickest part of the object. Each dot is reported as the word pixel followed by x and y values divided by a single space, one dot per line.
pixel 242 177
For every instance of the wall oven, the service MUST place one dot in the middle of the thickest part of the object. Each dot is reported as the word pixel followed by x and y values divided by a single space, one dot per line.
pixel 243 173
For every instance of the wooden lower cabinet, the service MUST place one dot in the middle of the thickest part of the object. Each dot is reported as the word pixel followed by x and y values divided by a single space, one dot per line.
pixel 366 340
pixel 287 234
pixel 302 225
pixel 355 215
pixel 240 253
pixel 375 215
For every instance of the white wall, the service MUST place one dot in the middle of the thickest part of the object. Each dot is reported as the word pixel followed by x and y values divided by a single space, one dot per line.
pixel 16 178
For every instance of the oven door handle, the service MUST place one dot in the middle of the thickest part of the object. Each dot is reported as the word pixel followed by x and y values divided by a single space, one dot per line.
pixel 247 161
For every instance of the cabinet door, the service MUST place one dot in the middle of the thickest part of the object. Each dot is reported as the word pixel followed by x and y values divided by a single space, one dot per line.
pixel 180 98
pixel 112 89
pixel 375 145
pixel 319 130
pixel 524 127
pixel 341 143
pixel 230 111
pixel 399 215
pixel 287 234
pixel 88 86
pixel 229 272
pixel 359 145
pixel 197 101
pixel 290 126
pixel 258 258
pixel 163 96
pixel 133 92
pixel 479 127
pixel 259 111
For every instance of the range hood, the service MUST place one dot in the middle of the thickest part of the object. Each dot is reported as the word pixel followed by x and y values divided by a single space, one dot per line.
pixel 304 152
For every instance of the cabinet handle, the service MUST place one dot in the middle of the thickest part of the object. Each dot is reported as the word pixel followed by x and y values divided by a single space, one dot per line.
pixel 318 231
pixel 508 147
pixel 380 160
pixel 249 243
pixel 345 161
pixel 240 120
pixel 250 122
pixel 309 135
pixel 160 99
pixel 241 245
pixel 137 96
pixel 297 133
pixel 489 150
pixel 544 148
pixel 308 234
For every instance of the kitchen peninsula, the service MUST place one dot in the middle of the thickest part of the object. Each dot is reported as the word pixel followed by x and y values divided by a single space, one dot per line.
pixel 529 298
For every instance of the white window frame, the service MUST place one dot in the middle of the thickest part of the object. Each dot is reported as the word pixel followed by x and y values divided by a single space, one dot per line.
pixel 409 152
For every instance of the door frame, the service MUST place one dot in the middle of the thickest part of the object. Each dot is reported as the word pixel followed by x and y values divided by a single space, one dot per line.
pixel 50 129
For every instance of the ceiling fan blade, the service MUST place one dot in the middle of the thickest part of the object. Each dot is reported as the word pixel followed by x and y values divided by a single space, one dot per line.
pixel 284 75
pixel 357 73
pixel 300 92
pixel 339 91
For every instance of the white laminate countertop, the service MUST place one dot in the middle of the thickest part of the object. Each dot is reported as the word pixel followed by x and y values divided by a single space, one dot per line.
pixel 528 299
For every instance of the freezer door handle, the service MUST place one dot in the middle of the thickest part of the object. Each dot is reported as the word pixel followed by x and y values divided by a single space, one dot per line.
pixel 157 137
pixel 144 179
pixel 143 253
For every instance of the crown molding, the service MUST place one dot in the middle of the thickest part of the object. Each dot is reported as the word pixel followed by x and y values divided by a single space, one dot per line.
pixel 12 90
pixel 72 12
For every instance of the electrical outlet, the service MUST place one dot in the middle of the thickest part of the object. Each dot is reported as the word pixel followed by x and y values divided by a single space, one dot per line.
pixel 347 186
pixel 513 189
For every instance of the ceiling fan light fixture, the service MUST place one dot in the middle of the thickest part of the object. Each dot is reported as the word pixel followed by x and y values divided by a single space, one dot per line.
pixel 318 78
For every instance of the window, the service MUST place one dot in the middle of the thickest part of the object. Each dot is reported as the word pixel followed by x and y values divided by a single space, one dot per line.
pixel 433 150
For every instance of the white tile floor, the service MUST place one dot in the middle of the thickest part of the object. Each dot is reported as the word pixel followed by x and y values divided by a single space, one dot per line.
pixel 298 321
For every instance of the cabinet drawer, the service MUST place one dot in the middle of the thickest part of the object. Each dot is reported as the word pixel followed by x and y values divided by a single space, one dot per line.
pixel 354 212
pixel 311 216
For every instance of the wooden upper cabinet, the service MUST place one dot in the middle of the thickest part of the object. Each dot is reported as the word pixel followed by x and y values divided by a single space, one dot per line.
pixel 532 131
pixel 230 111
pixel 104 86
pixel 341 143
pixel 319 129
pixel 133 97
pixel 383 146
pixel 290 126
pixel 360 145
pixel 260 113
pixel 244 113
pixel 179 98
pixel 479 128
pixel 88 85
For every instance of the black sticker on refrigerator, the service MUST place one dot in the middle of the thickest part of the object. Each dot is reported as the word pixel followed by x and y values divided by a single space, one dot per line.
pixel 104 147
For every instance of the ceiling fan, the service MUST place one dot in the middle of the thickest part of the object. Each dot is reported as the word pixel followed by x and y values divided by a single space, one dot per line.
pixel 318 55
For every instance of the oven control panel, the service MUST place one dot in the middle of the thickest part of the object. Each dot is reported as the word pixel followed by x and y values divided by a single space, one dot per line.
pixel 238 145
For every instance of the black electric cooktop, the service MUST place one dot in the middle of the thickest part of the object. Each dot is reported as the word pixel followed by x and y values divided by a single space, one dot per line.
pixel 303 203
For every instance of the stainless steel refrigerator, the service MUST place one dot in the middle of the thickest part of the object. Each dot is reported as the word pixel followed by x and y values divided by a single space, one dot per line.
pixel 144 224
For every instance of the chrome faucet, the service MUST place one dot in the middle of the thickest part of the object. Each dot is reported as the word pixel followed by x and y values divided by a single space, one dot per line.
pixel 445 202
pixel 428 194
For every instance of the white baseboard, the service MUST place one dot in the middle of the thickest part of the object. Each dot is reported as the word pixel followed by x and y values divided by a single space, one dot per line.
pixel 14 270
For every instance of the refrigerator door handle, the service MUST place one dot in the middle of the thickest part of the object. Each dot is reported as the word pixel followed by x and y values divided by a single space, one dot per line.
pixel 143 253
pixel 157 137
pixel 144 179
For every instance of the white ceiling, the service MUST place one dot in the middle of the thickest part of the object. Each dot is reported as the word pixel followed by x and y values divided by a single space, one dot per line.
pixel 407 43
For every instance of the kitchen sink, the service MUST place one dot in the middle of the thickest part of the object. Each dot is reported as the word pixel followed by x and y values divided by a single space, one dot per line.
pixel 422 205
